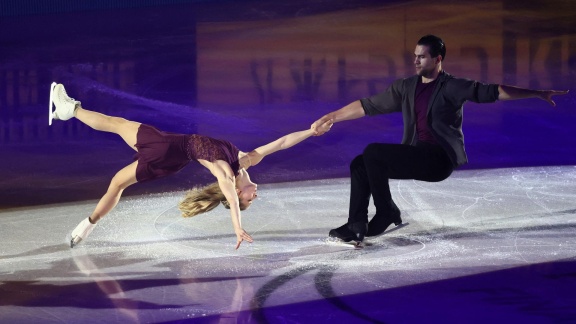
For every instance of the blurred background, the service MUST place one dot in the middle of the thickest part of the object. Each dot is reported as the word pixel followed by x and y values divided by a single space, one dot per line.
pixel 252 71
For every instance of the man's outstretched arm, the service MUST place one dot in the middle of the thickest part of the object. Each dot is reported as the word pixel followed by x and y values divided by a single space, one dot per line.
pixel 353 110
pixel 507 92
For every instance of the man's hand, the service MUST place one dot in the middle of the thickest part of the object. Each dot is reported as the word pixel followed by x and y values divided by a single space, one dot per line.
pixel 351 111
pixel 506 92
pixel 241 235
pixel 322 125
pixel 546 95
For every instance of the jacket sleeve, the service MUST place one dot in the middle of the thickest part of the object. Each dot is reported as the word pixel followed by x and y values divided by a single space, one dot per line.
pixel 388 101
pixel 470 90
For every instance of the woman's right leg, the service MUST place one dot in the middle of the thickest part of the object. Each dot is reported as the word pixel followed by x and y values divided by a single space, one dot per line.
pixel 122 179
pixel 127 129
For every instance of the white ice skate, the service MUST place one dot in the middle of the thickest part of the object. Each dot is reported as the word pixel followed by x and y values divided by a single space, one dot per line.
pixel 63 105
pixel 81 232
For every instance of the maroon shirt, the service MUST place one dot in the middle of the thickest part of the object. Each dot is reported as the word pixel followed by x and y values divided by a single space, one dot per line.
pixel 422 98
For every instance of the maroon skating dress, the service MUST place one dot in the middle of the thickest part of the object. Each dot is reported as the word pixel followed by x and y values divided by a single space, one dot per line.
pixel 163 153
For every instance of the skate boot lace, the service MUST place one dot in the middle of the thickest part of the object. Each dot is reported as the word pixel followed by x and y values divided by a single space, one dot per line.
pixel 64 97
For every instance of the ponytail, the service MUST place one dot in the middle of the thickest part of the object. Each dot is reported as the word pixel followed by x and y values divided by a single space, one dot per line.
pixel 204 199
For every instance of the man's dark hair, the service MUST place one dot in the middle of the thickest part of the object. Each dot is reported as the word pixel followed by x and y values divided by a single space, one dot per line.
pixel 435 45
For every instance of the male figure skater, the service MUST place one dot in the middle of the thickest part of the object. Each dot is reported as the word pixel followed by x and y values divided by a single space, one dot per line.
pixel 431 103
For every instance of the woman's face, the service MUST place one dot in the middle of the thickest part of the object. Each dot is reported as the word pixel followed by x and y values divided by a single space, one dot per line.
pixel 248 194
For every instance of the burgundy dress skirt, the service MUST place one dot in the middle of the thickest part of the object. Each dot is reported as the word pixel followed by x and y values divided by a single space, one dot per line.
pixel 163 153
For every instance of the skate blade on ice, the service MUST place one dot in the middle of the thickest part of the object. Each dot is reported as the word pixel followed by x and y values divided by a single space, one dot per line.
pixel 75 241
pixel 69 240
pixel 51 105
pixel 351 244
pixel 72 241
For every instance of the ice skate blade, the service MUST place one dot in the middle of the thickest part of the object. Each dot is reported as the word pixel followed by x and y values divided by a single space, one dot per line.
pixel 75 241
pixel 396 227
pixel 351 244
pixel 51 104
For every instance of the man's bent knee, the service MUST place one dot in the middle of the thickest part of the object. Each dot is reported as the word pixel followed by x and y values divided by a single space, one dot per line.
pixel 357 162
pixel 372 150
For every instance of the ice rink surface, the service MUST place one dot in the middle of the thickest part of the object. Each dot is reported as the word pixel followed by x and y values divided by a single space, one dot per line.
pixel 497 245
pixel 494 243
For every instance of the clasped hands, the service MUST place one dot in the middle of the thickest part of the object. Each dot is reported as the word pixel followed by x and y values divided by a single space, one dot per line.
pixel 322 125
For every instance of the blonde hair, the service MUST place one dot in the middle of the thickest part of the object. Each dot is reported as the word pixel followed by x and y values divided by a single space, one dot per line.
pixel 204 199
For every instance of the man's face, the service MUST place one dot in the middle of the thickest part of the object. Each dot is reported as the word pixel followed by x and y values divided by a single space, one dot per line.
pixel 424 63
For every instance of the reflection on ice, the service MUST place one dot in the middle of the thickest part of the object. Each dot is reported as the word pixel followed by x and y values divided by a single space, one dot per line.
pixel 146 262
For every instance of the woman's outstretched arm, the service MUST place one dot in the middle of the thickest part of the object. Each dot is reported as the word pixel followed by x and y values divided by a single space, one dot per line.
pixel 226 181
pixel 283 143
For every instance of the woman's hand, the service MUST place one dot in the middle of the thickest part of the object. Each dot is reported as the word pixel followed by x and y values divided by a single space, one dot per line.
pixel 322 125
pixel 241 235
pixel 320 128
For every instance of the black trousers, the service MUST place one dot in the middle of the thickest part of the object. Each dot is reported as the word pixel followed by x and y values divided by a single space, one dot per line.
pixel 371 171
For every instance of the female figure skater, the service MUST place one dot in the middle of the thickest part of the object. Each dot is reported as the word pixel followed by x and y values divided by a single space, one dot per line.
pixel 161 154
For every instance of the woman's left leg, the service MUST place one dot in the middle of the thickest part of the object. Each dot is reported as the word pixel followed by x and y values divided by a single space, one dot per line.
pixel 67 107
pixel 127 129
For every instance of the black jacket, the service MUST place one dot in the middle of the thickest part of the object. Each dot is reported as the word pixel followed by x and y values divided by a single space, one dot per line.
pixel 444 109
